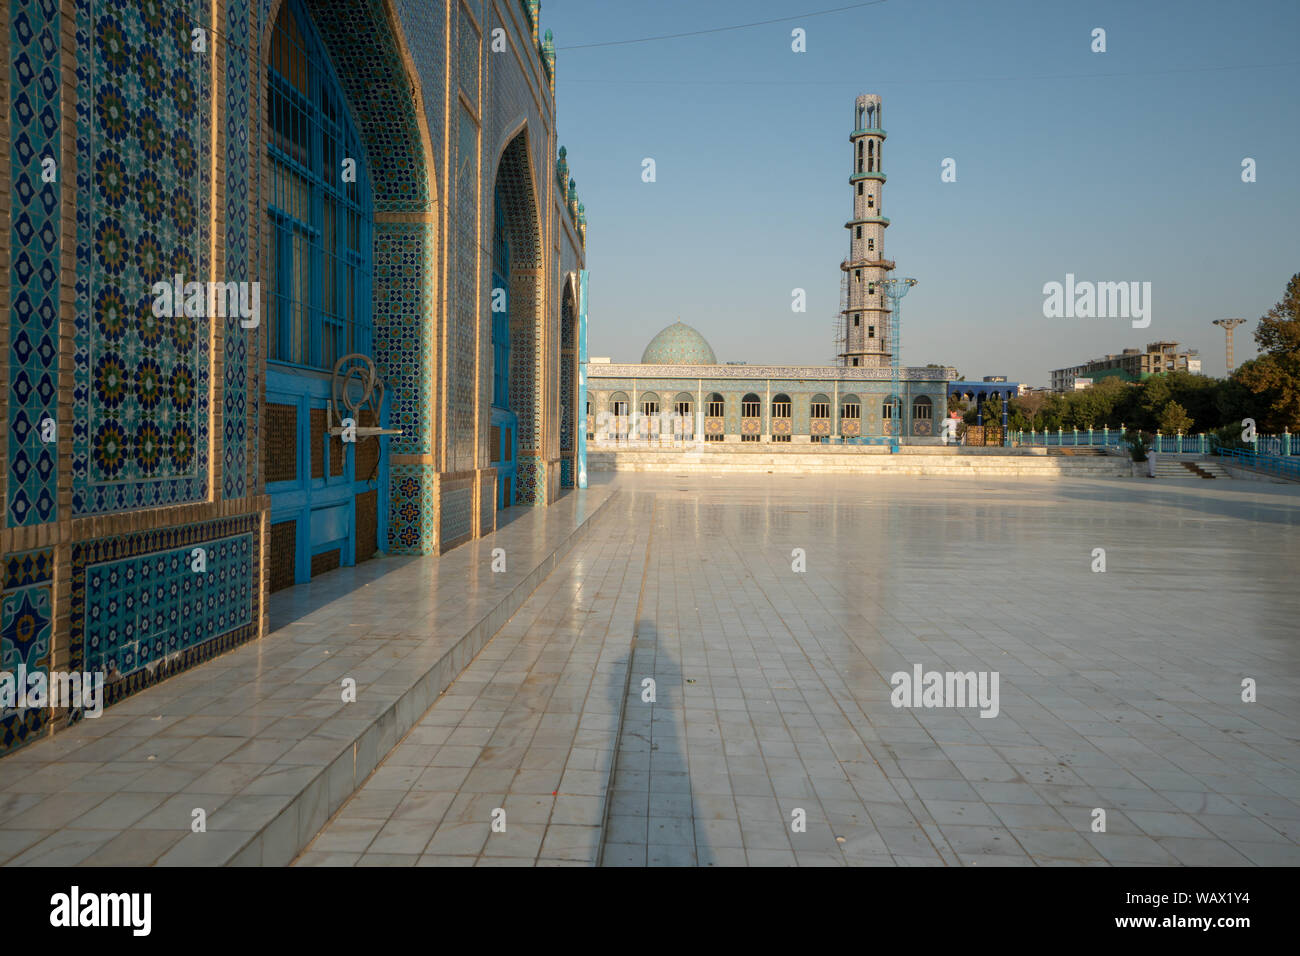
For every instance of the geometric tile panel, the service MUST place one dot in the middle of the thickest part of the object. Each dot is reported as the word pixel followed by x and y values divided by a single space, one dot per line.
pixel 32 76
pixel 238 340
pixel 28 567
pixel 140 612
pixel 403 329
pixel 457 511
pixel 374 78
pixel 140 406
pixel 411 510
pixel 143 608
pixel 487 503
pixel 463 337
pixel 530 478
pixel 26 629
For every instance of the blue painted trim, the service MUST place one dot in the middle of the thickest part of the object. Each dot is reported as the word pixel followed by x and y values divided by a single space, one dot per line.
pixel 296 500
pixel 580 413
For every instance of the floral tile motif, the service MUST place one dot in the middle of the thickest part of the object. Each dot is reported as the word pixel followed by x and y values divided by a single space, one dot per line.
pixel 140 408
pixel 26 629
pixel 412 510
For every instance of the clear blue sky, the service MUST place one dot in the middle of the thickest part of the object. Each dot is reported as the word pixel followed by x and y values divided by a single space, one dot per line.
pixel 1115 166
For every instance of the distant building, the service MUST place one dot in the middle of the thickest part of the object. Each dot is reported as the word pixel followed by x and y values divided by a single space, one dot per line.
pixel 680 391
pixel 994 388
pixel 1131 365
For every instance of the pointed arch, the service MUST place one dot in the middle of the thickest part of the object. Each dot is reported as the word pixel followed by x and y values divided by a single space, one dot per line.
pixel 567 380
pixel 515 190
pixel 366 47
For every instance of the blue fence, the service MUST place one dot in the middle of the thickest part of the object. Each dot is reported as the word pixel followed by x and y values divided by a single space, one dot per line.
pixel 1283 445
pixel 1067 438
pixel 1284 466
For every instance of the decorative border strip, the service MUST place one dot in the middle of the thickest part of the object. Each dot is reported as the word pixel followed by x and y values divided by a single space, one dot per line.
pixel 820 373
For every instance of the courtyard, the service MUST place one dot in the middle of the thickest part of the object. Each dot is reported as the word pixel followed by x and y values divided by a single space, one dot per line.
pixel 770 613
pixel 1121 690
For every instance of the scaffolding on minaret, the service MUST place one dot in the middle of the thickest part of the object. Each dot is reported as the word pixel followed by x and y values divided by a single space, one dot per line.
pixel 841 321
pixel 894 290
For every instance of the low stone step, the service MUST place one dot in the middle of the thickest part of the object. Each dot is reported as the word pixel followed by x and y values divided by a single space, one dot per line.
pixel 513 764
pixel 260 739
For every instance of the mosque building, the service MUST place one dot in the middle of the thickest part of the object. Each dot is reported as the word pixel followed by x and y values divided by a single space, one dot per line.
pixel 373 194
pixel 680 392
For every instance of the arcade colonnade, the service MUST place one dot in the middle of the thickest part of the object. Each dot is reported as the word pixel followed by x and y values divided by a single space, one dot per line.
pixel 339 162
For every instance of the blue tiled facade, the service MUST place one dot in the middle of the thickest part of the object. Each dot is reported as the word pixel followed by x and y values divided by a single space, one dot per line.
pixel 26 635
pixel 34 232
pixel 164 428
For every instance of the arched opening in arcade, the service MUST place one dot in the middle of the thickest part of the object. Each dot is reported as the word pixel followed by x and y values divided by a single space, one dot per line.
pixel 334 170
pixel 517 334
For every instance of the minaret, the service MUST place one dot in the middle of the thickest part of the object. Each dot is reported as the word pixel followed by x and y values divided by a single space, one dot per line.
pixel 866 313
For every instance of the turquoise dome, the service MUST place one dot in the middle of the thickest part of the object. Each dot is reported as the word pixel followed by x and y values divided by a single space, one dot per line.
pixel 678 344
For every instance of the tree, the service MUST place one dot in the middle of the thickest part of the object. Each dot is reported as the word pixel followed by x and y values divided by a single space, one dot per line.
pixel 1174 420
pixel 1274 377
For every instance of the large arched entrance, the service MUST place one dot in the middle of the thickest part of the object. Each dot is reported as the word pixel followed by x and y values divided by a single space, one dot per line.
pixel 350 257
pixel 515 208
pixel 568 384
pixel 504 422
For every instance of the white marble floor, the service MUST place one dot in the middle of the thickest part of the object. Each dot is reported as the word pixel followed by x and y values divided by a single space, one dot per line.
pixel 1119 691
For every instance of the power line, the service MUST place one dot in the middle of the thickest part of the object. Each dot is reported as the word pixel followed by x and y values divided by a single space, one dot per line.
pixel 737 26
pixel 955 79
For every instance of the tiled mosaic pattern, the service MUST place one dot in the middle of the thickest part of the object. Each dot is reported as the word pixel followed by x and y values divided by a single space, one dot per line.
pixel 374 79
pixel 411 509
pixel 238 342
pixel 530 481
pixel 679 344
pixel 568 378
pixel 487 510
pixel 140 609
pixel 424 26
pixel 141 613
pixel 457 512
pixel 34 120
pixel 468 62
pixel 462 339
pixel 140 405
pixel 403 329
pixel 26 629
pixel 516 188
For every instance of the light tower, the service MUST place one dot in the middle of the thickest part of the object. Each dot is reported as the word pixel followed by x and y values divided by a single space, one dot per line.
pixel 1228 325
pixel 894 290
pixel 865 315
